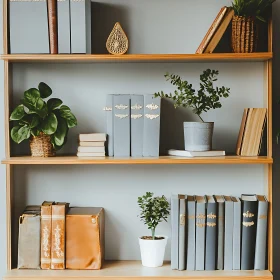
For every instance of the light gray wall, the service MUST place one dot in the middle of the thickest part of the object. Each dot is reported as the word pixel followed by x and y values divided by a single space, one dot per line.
pixel 84 87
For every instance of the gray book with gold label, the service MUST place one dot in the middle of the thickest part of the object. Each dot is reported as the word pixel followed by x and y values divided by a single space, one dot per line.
pixel 110 125
pixel 29 32
pixel 182 232
pixel 175 231
pixel 236 260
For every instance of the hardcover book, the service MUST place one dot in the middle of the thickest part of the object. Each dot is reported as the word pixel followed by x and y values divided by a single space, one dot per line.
pixel 236 233
pixel 228 261
pixel 175 232
pixel 184 153
pixel 79 154
pixel 241 131
pixel 92 137
pixel 92 144
pixel 182 232
pixel 52 14
pixel 91 149
pixel 110 125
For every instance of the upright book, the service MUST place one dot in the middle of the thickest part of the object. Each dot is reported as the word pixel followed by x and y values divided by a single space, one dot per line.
pixel 236 233
pixel 110 124
pixel 52 14
pixel 228 253
pixel 182 232
pixel 175 232
pixel 241 131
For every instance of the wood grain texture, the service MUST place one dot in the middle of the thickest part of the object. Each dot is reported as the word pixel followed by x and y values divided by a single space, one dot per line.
pixel 214 57
pixel 270 218
pixel 119 270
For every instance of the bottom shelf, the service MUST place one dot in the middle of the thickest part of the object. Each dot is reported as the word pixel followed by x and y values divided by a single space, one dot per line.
pixel 133 270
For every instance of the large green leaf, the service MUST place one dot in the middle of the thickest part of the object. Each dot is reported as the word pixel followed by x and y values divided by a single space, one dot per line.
pixel 19 134
pixel 66 113
pixel 57 148
pixel 39 107
pixel 18 113
pixel 31 96
pixel 61 132
pixel 31 120
pixel 49 125
pixel 45 90
pixel 53 103
pixel 35 131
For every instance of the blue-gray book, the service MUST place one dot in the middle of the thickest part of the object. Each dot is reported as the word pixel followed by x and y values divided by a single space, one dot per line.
pixel 236 259
pixel 182 232
pixel 175 232
pixel 109 125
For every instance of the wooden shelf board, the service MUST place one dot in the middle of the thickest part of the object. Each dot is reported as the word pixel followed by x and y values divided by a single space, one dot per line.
pixel 119 270
pixel 130 160
pixel 214 57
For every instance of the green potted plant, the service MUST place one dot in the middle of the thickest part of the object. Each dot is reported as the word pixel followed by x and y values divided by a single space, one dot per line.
pixel 198 135
pixel 154 210
pixel 45 122
pixel 245 23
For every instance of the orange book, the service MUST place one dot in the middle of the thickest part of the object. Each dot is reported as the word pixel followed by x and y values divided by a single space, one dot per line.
pixel 210 33
pixel 59 211
pixel 241 131
pixel 52 17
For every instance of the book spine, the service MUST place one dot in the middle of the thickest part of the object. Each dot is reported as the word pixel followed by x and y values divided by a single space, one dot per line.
pixel 175 232
pixel 63 26
pixel 52 15
pixel 221 235
pixel 261 239
pixel 236 235
pixel 228 235
pixel 46 231
pixel 200 237
pixel 58 237
pixel 182 234
pixel 191 235
pixel 151 126
pixel 211 237
pixel 137 125
pixel 249 226
pixel 110 125
pixel 121 113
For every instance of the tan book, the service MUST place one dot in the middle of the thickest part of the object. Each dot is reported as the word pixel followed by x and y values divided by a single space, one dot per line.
pixel 91 150
pixel 220 31
pixel 92 144
pixel 93 137
pixel 241 131
pixel 91 154
pixel 211 31
pixel 52 17
pixel 46 232
pixel 59 211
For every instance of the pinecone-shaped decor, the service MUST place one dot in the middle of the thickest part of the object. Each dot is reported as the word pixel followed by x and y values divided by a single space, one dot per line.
pixel 117 42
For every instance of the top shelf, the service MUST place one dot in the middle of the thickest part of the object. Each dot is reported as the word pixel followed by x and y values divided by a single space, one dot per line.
pixel 145 58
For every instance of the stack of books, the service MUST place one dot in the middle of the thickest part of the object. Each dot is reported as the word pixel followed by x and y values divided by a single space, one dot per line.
pixel 92 145
pixel 219 232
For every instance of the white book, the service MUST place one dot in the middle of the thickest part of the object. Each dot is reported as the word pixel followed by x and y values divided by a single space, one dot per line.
pixel 92 144
pixel 91 149
pixel 182 153
pixel 93 137
pixel 90 154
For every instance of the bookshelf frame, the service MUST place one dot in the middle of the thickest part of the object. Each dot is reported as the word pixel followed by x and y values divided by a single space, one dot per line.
pixel 132 269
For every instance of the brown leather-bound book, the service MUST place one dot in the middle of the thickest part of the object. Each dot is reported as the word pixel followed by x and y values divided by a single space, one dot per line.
pixel 85 238
pixel 59 211
pixel 46 232
pixel 241 131
pixel 52 16
pixel 210 33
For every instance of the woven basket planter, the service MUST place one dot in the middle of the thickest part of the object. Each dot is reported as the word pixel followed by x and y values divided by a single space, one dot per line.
pixel 41 146
pixel 244 37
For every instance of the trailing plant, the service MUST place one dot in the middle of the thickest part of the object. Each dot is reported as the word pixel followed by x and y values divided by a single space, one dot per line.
pixel 206 98
pixel 36 116
pixel 154 210
pixel 252 8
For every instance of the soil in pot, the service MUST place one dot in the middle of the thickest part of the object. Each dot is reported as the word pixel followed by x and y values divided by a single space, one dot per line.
pixel 151 238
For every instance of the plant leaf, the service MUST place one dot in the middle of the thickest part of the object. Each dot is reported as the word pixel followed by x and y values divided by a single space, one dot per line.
pixel 61 132
pixel 66 113
pixel 53 103
pixel 35 131
pixel 18 113
pixel 20 134
pixel 45 90
pixel 31 120
pixel 49 125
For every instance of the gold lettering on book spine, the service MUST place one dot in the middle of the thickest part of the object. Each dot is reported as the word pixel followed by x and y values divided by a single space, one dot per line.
pixel 211 224
pixel 262 217
pixel 248 214
pixel 191 217
pixel 248 224
pixel 182 219
pixel 211 216
pixel 152 106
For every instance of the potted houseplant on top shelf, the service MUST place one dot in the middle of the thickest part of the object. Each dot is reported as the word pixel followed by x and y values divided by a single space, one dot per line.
pixel 245 23
pixel 45 123
pixel 154 210
pixel 198 135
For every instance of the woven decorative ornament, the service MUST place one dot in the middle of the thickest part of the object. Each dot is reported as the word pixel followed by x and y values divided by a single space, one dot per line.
pixel 117 42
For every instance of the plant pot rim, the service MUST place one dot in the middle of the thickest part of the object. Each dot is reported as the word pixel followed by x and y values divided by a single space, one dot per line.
pixel 164 238
pixel 198 122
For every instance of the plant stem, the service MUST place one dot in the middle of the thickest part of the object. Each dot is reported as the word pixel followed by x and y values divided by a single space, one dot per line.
pixel 153 233
pixel 200 118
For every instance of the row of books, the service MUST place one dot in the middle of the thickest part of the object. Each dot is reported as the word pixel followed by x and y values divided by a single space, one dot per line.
pixel 91 145
pixel 50 26
pixel 44 244
pixel 133 125
pixel 219 232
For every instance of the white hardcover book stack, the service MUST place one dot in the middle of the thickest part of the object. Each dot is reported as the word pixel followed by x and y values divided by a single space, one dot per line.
pixel 92 145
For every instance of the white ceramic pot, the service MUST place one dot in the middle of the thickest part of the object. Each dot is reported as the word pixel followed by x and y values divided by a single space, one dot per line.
pixel 152 251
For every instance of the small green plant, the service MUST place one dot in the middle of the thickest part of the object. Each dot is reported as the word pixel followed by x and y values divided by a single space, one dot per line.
pixel 154 210
pixel 36 116
pixel 206 98
pixel 252 8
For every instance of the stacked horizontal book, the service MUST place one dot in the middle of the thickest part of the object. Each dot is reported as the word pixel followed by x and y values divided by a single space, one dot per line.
pixel 92 145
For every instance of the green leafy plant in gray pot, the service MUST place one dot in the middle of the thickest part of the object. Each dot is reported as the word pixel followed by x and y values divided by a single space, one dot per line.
pixel 45 122
pixel 198 135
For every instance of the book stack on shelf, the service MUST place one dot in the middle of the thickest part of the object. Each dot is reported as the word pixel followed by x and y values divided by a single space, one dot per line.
pixel 219 232
pixel 92 145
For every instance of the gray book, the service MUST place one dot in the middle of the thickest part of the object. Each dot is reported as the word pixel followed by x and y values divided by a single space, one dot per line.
pixel 137 125
pixel 182 232
pixel 190 246
pixel 200 232
pixel 151 126
pixel 63 26
pixel 121 136
pixel 109 125
pixel 221 231
pixel 261 238
pixel 236 258
pixel 29 242
pixel 228 233
pixel 29 32
pixel 211 234
pixel 80 13
pixel 175 232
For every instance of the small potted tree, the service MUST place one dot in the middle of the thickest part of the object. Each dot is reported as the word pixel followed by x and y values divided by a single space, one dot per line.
pixel 154 210
pixel 198 135
pixel 45 123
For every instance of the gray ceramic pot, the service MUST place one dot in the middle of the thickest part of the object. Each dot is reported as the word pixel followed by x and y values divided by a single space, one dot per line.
pixel 198 136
